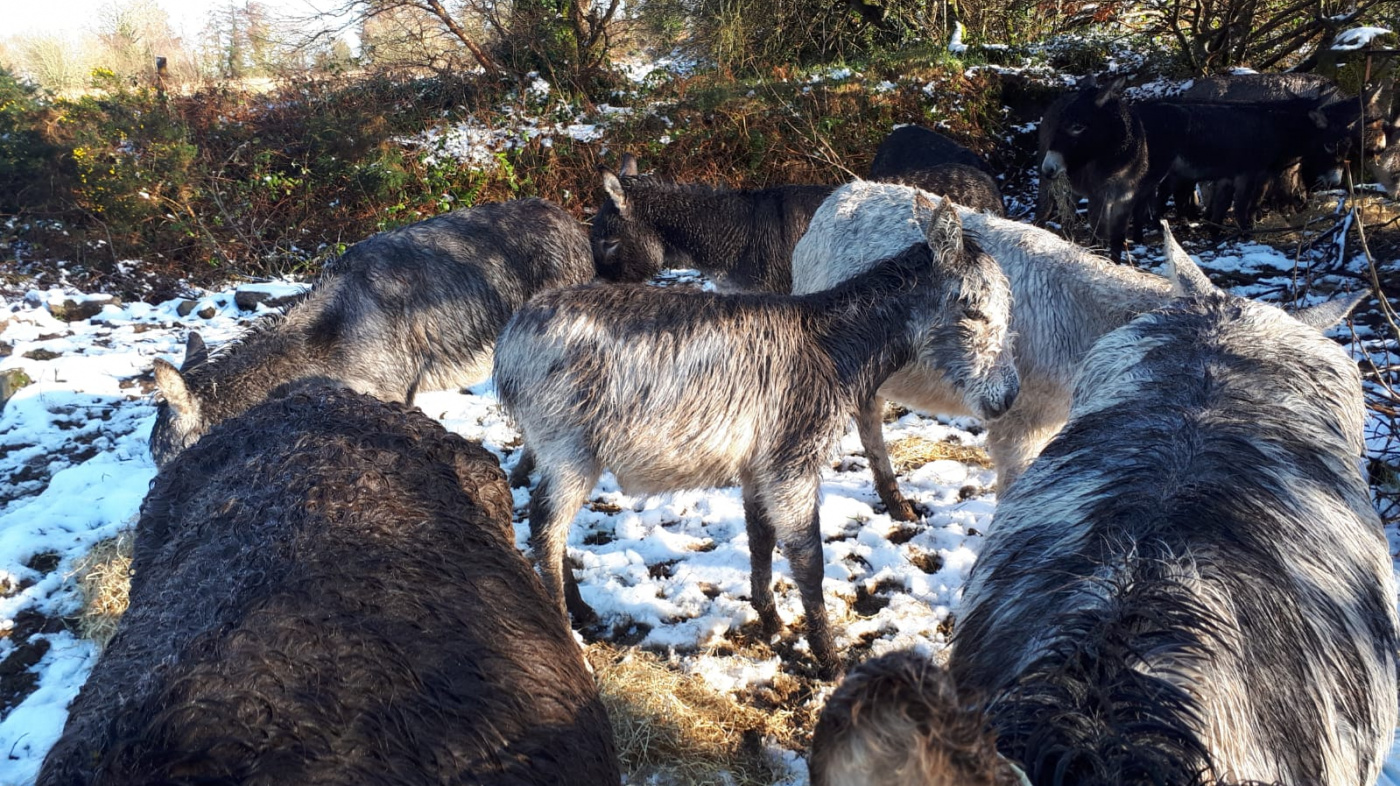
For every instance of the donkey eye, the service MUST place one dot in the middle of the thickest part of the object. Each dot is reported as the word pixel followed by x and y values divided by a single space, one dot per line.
pixel 975 314
pixel 1076 129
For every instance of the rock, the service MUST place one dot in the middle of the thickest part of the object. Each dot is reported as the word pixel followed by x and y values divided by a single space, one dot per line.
pixel 247 299
pixel 71 310
pixel 184 307
pixel 41 354
pixel 208 312
pixel 11 380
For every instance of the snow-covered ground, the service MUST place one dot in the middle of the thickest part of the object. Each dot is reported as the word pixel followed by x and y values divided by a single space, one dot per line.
pixel 666 573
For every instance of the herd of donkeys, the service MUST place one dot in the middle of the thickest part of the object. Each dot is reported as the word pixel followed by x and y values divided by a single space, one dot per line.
pixel 1185 581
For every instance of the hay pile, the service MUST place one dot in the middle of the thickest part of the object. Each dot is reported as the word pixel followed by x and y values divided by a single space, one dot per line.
pixel 104 578
pixel 913 452
pixel 673 728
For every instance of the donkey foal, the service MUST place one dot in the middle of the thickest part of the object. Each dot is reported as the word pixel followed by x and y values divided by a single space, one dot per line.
pixel 675 390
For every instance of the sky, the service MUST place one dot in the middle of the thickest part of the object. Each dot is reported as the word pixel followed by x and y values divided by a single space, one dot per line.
pixel 73 17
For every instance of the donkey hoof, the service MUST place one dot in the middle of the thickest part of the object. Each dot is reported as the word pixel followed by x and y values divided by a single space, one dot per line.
pixel 831 670
pixel 902 510
pixel 769 623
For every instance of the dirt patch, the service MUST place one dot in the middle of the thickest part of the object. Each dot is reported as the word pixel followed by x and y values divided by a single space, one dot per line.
pixel 17 677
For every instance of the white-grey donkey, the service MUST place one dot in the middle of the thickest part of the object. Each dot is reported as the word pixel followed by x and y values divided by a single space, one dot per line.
pixel 676 390
pixel 1063 300
pixel 417 307
pixel 1190 585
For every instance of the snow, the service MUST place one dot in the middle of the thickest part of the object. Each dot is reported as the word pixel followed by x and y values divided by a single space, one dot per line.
pixel 1357 38
pixel 956 45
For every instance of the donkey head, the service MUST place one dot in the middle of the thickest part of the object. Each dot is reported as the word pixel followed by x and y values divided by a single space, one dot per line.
pixel 625 246
pixel 1093 122
pixel 899 719
pixel 970 340
pixel 180 420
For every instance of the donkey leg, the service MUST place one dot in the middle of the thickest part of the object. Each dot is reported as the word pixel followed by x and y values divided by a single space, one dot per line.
pixel 553 505
pixel 520 475
pixel 872 438
pixel 796 513
pixel 762 539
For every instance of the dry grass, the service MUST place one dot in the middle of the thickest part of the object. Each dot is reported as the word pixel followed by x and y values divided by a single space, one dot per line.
pixel 673 728
pixel 914 452
pixel 104 578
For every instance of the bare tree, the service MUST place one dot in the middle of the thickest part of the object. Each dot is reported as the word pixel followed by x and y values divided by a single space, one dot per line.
pixel 1216 34
pixel 567 39
pixel 53 62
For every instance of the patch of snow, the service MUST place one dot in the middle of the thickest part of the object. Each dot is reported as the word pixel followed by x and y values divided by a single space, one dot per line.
pixel 956 45
pixel 1357 38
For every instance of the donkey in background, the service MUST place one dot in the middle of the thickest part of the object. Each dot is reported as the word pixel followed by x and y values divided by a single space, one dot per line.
pixel 413 308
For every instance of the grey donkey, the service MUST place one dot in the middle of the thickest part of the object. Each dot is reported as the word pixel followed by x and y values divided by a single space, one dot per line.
pixel 1190 584
pixel 417 307
pixel 1063 300
pixel 675 390
pixel 743 239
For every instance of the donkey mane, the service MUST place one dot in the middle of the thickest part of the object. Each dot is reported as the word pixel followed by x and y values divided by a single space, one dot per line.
pixel 1103 704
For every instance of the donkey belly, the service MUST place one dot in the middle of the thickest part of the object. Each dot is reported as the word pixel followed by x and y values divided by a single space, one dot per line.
pixel 921 387
pixel 459 372
pixel 660 459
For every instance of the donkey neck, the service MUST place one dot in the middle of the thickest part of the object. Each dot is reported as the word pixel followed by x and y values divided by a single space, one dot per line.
pixel 242 373
pixel 865 325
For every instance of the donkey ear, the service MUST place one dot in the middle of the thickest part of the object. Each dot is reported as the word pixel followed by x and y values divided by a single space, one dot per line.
pixel 944 231
pixel 1110 91
pixel 1331 312
pixel 1375 107
pixel 173 388
pixel 613 188
pixel 195 352
pixel 1187 279
pixel 629 165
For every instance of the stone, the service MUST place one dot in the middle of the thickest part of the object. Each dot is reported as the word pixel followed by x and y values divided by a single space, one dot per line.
pixel 11 380
pixel 71 310
pixel 248 299
pixel 185 307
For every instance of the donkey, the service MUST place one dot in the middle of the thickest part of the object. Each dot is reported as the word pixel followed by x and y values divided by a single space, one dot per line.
pixel 413 308
pixel 898 720
pixel 1118 154
pixel 743 239
pixel 674 390
pixel 1063 300
pixel 1288 190
pixel 1190 584
pixel 326 589
pixel 927 160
